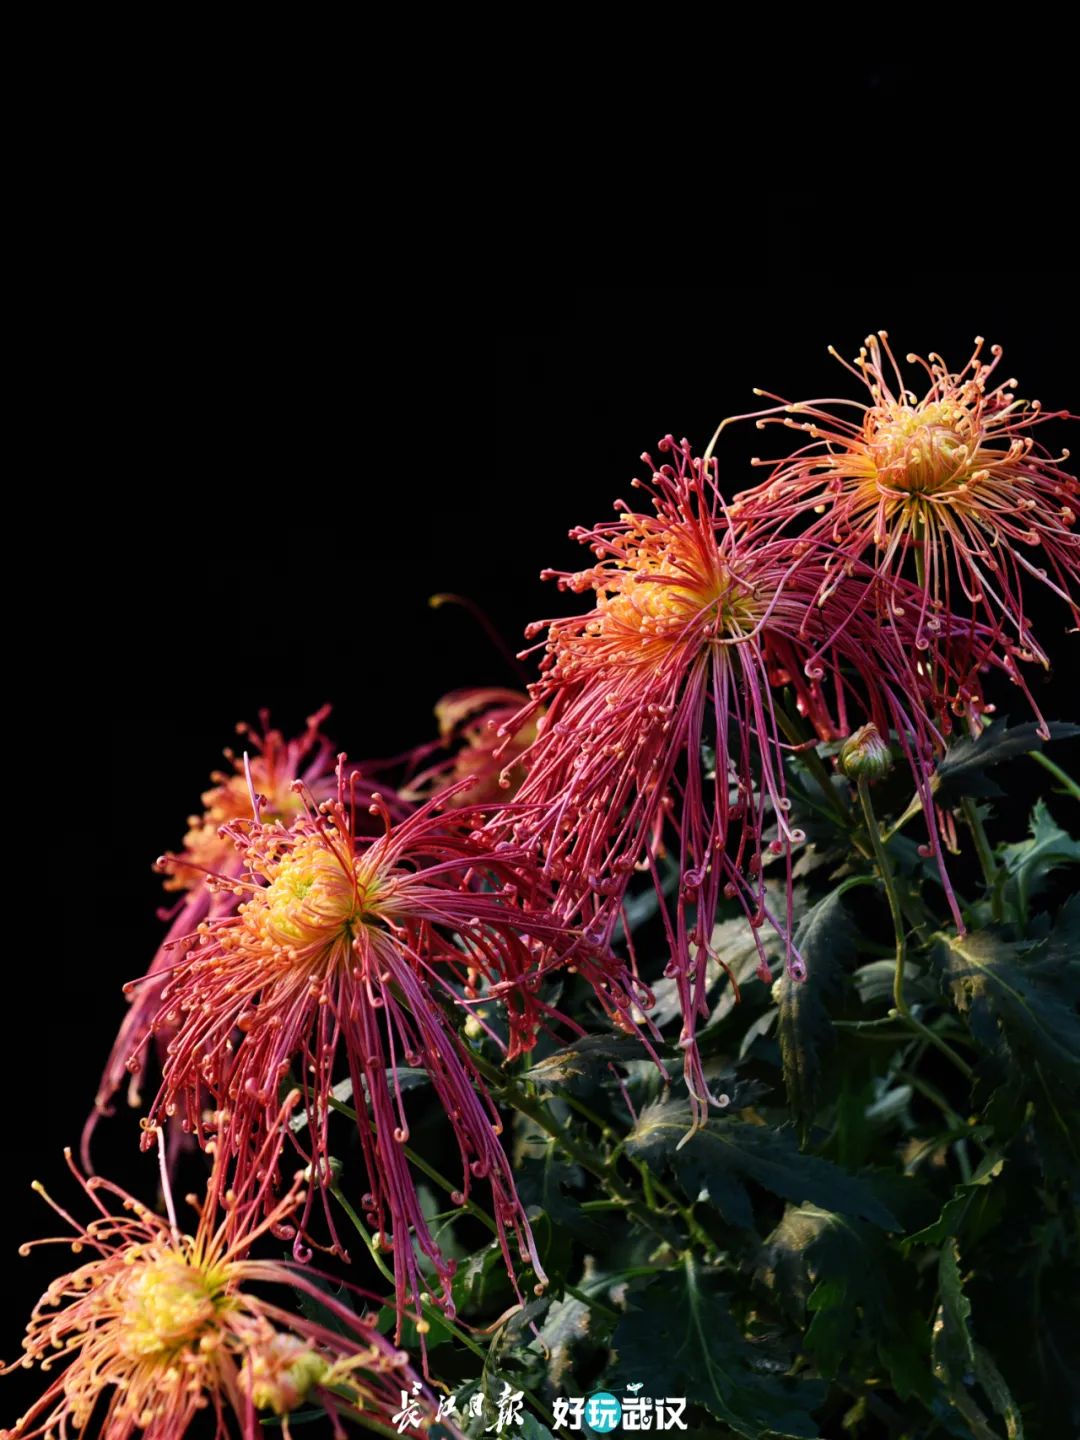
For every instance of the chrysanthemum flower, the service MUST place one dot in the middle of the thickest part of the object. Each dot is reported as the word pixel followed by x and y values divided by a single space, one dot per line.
pixel 471 747
pixel 158 1326
pixel 269 766
pixel 950 490
pixel 339 953
pixel 693 620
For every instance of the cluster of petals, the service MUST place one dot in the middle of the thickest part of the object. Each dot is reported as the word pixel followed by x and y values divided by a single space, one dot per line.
pixel 270 763
pixel 697 617
pixel 473 746
pixel 156 1326
pixel 345 957
pixel 950 489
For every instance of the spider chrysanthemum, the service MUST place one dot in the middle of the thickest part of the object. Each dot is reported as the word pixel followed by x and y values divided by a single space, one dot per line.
pixel 949 488
pixel 341 961
pixel 661 720
pixel 158 1326
pixel 269 766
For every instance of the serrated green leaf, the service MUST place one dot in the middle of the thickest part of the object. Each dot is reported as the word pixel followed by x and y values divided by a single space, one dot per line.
pixel 959 1363
pixel 961 771
pixel 1029 862
pixel 959 1208
pixel 586 1056
pixel 953 1348
pixel 998 1393
pixel 682 1338
pixel 1015 998
pixel 481 1278
pixel 546 1179
pixel 716 1160
pixel 826 940
pixel 436 1334
pixel 853 1284
pixel 567 1322
pixel 736 942
pixel 408 1078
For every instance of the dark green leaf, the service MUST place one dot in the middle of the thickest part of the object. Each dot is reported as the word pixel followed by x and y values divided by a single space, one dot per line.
pixel 845 1274
pixel 961 769
pixel 716 1160
pixel 960 1208
pixel 547 1180
pixel 311 1309
pixel 1016 998
pixel 567 1322
pixel 436 1334
pixel 1031 861
pixel 736 942
pixel 481 1280
pixel 826 940
pixel 587 1056
pixel 681 1338
pixel 959 1363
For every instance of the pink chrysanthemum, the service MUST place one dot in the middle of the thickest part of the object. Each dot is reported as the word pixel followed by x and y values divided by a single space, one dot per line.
pixel 950 490
pixel 271 768
pixel 159 1326
pixel 470 747
pixel 693 621
pixel 335 962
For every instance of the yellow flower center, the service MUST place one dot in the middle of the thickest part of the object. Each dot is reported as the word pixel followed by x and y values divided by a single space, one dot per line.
pixel 168 1303
pixel 921 451
pixel 317 899
pixel 665 597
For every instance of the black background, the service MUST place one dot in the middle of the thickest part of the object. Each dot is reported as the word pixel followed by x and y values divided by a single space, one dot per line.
pixel 284 496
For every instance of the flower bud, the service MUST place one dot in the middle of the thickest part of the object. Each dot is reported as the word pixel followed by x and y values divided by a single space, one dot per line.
pixel 865 755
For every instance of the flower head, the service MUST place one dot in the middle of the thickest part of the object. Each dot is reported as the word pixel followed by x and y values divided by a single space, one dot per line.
pixel 470 722
pixel 661 723
pixel 950 489
pixel 337 963
pixel 268 770
pixel 159 1325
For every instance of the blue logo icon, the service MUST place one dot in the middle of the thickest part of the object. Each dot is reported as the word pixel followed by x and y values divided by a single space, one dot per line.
pixel 603 1412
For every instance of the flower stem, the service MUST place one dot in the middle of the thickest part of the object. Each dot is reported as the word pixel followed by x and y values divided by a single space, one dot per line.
pixel 814 763
pixel 991 874
pixel 425 1169
pixel 587 1158
pixel 431 1311
pixel 1058 773
pixel 889 881
pixel 651 1184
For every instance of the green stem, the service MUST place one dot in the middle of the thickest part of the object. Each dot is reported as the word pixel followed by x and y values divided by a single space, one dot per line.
pixel 987 862
pixel 814 764
pixel 885 871
pixel 1052 768
pixel 431 1312
pixel 425 1169
pixel 889 881
pixel 592 1302
pixel 581 1154
pixel 650 1184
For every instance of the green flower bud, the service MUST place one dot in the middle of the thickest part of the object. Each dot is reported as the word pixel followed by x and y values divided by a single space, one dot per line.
pixel 865 755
